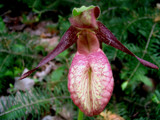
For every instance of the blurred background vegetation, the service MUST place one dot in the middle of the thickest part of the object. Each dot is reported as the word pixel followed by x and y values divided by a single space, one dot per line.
pixel 30 29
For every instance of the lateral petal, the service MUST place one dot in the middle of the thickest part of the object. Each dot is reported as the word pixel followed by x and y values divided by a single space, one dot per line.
pixel 68 39
pixel 106 36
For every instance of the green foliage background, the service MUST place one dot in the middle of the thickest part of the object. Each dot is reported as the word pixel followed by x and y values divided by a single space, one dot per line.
pixel 131 21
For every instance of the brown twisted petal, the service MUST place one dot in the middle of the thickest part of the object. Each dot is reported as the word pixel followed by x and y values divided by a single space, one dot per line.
pixel 106 36
pixel 68 39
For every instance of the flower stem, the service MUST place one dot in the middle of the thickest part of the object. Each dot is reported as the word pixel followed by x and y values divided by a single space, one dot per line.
pixel 80 115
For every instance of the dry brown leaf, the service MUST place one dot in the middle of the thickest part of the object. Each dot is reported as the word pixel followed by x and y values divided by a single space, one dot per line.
pixel 40 29
pixel 48 68
pixel 13 23
pixel 157 19
pixel 49 43
pixel 25 84
pixel 66 112
pixel 107 115
pixel 158 5
pixel 48 117
pixel 46 35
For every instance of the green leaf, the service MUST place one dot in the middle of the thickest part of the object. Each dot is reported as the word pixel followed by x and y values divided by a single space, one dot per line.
pixel 57 74
pixel 124 85
pixel 40 49
pixel 145 80
pixel 1 5
pixel 18 48
pixel 156 97
pixel 63 54
pixel 142 32
pixel 11 85
pixel 78 11
pixel 17 71
pixel 2 26
pixel 25 20
pixel 8 73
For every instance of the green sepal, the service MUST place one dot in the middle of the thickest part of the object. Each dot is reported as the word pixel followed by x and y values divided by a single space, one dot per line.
pixel 78 11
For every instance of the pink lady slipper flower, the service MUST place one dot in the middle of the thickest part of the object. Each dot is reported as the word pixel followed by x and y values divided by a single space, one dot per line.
pixel 90 79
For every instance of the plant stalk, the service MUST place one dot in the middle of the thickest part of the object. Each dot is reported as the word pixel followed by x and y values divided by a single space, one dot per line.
pixel 80 115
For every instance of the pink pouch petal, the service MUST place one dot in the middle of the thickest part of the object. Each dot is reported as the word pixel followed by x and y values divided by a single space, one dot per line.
pixel 90 82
